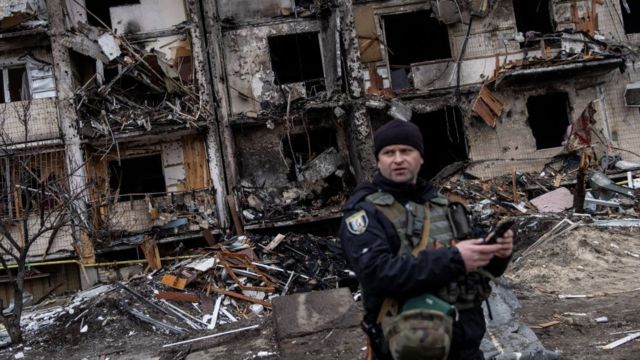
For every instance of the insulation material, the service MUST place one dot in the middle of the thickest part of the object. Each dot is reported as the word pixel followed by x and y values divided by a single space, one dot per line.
pixel 368 40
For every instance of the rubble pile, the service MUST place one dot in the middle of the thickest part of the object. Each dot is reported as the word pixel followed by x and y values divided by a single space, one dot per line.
pixel 139 89
pixel 231 282
pixel 322 188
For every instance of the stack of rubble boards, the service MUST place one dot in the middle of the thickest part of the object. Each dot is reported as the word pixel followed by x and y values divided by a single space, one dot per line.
pixel 231 282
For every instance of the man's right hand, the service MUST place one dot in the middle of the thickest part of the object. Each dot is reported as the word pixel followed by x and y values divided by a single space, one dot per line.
pixel 476 254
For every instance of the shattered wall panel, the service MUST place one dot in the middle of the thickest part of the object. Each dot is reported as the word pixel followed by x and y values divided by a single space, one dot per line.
pixel 249 69
pixel 149 15
pixel 512 139
pixel 253 9
pixel 43 120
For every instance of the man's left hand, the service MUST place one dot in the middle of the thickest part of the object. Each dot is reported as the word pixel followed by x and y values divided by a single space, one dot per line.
pixel 506 245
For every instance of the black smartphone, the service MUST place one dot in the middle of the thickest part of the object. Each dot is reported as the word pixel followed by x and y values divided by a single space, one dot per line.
pixel 502 228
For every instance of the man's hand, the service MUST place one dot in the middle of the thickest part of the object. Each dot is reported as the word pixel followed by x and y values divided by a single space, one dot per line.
pixel 476 253
pixel 506 243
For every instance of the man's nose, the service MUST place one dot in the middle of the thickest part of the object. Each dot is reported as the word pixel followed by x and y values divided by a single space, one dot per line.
pixel 397 157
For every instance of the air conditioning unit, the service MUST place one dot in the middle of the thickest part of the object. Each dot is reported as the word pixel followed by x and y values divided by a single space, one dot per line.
pixel 632 94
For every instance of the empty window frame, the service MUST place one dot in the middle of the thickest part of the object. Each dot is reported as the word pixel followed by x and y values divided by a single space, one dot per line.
pixel 134 178
pixel 533 15
pixel 548 118
pixel 631 16
pixel 15 84
pixel 100 9
pixel 415 37
pixel 296 57
pixel 443 133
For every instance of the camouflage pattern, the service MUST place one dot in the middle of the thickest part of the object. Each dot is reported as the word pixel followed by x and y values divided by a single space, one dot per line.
pixel 419 335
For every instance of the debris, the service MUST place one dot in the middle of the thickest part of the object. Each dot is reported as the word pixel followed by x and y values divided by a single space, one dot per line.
pixel 177 296
pixel 622 341
pixel 555 201
pixel 275 242
pixel 487 106
pixel 602 319
pixel 174 281
pixel 211 336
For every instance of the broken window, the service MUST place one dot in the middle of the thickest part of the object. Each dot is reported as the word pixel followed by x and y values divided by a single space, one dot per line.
pixel 15 84
pixel 137 177
pixel 299 148
pixel 100 9
pixel 412 38
pixel 296 57
pixel 443 133
pixel 631 16
pixel 533 15
pixel 548 118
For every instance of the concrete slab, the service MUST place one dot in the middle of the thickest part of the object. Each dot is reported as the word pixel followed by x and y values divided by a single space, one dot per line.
pixel 302 314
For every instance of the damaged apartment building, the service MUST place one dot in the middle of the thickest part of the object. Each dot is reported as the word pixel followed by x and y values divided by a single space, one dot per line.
pixel 171 121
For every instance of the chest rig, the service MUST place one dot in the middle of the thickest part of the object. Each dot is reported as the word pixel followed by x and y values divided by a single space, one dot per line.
pixel 409 221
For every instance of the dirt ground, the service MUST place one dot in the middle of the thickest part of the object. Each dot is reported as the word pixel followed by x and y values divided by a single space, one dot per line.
pixel 601 263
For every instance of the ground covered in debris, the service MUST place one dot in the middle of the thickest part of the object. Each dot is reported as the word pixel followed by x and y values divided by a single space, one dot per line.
pixel 579 290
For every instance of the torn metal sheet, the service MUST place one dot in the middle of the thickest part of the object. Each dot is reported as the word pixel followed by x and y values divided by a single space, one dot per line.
pixel 323 165
pixel 41 79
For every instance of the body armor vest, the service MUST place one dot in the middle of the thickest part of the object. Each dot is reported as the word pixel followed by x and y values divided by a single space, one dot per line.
pixel 468 290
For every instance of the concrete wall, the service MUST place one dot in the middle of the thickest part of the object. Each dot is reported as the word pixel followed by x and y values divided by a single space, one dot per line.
pixel 149 15
pixel 239 10
pixel 43 121
pixel 248 64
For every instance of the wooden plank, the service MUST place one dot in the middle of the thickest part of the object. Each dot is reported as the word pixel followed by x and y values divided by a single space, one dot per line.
pixel 231 201
pixel 241 297
pixel 151 254
pixel 484 112
pixel 491 100
pixel 195 162
pixel 174 281
pixel 368 42
pixel 177 296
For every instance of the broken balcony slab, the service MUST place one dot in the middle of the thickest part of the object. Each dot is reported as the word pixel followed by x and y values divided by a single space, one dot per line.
pixel 550 71
pixel 307 313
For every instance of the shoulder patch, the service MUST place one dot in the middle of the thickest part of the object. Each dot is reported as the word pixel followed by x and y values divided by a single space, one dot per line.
pixel 357 223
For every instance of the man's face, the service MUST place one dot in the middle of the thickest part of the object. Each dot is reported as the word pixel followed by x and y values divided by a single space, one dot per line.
pixel 400 163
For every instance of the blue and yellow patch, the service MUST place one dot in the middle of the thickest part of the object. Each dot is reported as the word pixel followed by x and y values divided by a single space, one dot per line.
pixel 357 223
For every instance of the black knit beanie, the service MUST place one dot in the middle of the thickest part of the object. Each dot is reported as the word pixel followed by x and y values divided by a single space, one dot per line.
pixel 398 132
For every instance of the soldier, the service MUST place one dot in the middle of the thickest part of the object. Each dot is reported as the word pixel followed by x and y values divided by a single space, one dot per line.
pixel 398 237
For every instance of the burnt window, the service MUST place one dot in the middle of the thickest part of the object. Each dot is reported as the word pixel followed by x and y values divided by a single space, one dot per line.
pixel 136 177
pixel 533 15
pixel 100 9
pixel 15 84
pixel 631 16
pixel 296 57
pixel 415 37
pixel 412 38
pixel 548 118
pixel 299 148
pixel 443 134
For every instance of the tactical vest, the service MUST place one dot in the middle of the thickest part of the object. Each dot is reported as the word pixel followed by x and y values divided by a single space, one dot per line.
pixel 468 290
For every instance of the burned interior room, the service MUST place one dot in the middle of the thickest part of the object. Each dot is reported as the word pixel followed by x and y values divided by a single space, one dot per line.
pixel 548 118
